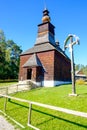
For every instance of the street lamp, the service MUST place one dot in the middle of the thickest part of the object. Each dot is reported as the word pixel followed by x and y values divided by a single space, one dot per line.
pixel 73 40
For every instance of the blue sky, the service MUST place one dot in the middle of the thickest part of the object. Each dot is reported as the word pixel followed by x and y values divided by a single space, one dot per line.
pixel 19 20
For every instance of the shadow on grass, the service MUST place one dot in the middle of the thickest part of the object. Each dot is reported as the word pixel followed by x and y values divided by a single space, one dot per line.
pixel 56 117
pixel 82 94
pixel 60 85
pixel 27 107
pixel 51 115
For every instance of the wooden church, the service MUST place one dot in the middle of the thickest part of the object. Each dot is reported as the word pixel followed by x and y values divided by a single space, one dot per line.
pixel 45 63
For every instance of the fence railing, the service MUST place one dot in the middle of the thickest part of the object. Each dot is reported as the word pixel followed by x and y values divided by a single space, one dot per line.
pixel 68 111
pixel 14 88
pixel 18 87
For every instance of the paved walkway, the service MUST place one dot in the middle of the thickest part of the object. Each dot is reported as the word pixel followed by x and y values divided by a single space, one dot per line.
pixel 5 125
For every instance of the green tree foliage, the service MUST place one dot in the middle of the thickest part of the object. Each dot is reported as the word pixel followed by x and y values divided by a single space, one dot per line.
pixel 2 54
pixel 84 69
pixel 9 58
pixel 2 36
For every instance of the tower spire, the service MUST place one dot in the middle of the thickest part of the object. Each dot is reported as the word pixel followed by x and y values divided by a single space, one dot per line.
pixel 46 33
pixel 45 7
pixel 46 17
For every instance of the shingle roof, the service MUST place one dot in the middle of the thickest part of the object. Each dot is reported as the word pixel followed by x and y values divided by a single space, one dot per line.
pixel 32 61
pixel 39 48
pixel 44 47
pixel 80 73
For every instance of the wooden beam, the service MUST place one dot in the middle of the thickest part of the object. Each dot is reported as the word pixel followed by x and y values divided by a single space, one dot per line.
pixel 68 111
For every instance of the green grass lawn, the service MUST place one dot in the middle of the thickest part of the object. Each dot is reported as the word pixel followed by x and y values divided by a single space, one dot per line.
pixel 5 84
pixel 47 119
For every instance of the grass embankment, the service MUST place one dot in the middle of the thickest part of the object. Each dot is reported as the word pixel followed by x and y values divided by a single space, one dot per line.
pixel 7 83
pixel 47 119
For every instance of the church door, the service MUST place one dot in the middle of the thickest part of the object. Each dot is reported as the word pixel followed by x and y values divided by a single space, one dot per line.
pixel 29 73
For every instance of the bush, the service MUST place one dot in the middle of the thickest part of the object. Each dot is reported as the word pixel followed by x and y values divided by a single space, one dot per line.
pixel 8 80
pixel 80 82
pixel 86 83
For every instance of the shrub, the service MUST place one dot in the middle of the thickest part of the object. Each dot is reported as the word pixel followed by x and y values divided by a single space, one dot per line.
pixel 80 82
pixel 8 80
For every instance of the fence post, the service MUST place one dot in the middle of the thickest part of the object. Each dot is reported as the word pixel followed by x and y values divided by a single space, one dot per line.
pixel 29 115
pixel 6 90
pixel 17 87
pixel 5 102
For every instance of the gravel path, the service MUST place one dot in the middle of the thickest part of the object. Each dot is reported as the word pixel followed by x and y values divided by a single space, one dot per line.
pixel 4 125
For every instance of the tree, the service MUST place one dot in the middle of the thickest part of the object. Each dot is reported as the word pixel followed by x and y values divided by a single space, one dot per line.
pixel 2 36
pixel 84 69
pixel 2 54
pixel 9 58
pixel 13 52
pixel 79 67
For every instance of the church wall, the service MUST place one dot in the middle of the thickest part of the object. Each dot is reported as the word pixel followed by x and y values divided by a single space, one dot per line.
pixel 62 67
pixel 47 60
pixel 57 69
pixel 23 71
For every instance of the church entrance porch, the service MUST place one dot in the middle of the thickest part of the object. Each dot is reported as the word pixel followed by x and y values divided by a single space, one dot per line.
pixel 29 73
pixel 35 74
